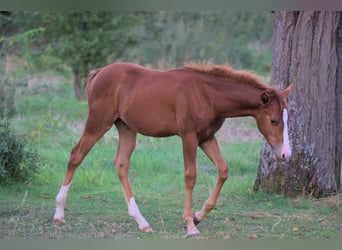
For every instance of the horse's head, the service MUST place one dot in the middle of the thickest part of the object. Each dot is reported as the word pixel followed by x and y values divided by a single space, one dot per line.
pixel 272 121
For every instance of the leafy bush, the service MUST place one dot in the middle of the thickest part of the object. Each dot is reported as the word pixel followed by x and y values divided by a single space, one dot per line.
pixel 18 162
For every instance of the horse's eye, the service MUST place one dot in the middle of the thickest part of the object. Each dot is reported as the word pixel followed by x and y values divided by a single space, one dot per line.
pixel 274 122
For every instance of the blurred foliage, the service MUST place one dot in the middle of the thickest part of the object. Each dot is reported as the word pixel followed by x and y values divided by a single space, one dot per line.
pixel 18 161
pixel 7 103
pixel 81 41
pixel 84 40
pixel 234 37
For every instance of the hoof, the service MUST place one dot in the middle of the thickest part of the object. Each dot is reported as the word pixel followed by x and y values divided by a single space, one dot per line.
pixel 146 229
pixel 196 221
pixel 192 232
pixel 58 220
pixel 192 236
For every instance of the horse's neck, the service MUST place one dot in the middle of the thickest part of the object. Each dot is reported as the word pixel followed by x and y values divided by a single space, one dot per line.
pixel 235 99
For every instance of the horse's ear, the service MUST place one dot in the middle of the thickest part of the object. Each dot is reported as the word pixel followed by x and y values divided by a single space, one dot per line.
pixel 265 98
pixel 287 91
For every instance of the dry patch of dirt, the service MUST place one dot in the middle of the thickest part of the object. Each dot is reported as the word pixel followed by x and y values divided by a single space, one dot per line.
pixel 239 130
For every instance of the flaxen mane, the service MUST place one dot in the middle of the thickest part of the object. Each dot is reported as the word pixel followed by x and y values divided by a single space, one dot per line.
pixel 243 76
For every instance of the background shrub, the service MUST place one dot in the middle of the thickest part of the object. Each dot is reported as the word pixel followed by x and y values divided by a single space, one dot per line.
pixel 18 161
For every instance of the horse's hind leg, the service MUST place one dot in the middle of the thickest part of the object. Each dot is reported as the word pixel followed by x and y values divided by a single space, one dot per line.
pixel 96 125
pixel 127 140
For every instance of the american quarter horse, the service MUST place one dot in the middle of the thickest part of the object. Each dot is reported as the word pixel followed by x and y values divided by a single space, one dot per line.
pixel 191 102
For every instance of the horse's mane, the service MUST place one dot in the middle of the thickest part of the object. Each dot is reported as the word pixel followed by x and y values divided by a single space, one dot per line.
pixel 224 70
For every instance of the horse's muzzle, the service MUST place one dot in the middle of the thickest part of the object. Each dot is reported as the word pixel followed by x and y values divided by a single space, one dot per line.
pixel 283 152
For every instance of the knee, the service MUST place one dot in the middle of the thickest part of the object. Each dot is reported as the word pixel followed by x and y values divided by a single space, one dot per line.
pixel 223 173
pixel 190 179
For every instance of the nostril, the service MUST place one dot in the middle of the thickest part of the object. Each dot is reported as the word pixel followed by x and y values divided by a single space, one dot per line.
pixel 283 156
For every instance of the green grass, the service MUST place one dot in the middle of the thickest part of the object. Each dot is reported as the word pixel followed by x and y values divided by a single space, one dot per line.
pixel 96 207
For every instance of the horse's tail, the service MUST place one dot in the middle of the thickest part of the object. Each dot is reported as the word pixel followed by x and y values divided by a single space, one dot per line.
pixel 90 77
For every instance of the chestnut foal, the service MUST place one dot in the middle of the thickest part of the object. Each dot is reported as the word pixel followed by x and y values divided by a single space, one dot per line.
pixel 191 102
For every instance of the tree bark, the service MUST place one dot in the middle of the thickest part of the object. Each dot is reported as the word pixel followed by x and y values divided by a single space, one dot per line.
pixel 79 90
pixel 307 52
pixel 339 103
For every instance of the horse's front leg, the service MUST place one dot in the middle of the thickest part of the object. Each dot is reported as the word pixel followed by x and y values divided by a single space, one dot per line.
pixel 190 143
pixel 211 149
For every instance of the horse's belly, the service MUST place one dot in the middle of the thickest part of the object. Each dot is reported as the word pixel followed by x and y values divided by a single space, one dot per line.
pixel 151 128
pixel 156 122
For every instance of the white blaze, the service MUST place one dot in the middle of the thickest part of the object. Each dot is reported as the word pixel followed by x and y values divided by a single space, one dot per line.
pixel 285 149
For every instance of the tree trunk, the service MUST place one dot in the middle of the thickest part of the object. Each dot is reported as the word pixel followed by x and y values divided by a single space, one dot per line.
pixel 307 52
pixel 79 90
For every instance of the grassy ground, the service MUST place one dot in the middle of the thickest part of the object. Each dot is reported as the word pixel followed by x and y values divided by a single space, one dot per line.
pixel 96 209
